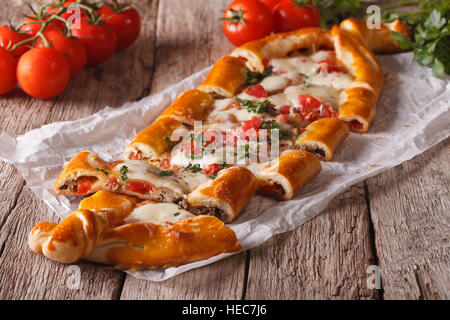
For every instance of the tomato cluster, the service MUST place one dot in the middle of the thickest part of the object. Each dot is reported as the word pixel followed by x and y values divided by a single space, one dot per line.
pixel 56 42
pixel 248 20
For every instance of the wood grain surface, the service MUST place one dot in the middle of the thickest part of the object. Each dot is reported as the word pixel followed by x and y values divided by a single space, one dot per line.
pixel 398 220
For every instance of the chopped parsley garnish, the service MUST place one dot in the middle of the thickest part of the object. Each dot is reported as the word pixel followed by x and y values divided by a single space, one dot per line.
pixel 123 173
pixel 103 170
pixel 176 214
pixel 264 106
pixel 268 124
pixel 194 168
pixel 166 173
pixel 254 77
pixel 223 165
pixel 169 142
pixel 213 176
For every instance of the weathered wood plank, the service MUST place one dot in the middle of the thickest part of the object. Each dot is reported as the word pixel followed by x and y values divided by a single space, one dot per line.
pixel 326 258
pixel 126 77
pixel 182 50
pixel 410 208
pixel 26 275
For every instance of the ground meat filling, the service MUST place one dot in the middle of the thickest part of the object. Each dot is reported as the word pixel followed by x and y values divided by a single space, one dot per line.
pixel 209 211
pixel 316 151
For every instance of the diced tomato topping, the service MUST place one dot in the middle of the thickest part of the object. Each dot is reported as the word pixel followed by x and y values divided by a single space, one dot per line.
pixel 134 156
pixel 257 91
pixel 283 118
pixel 84 185
pixel 209 137
pixel 266 63
pixel 308 104
pixel 234 105
pixel 211 169
pixel 112 183
pixel 165 163
pixel 253 123
pixel 328 113
pixel 191 148
pixel 328 66
pixel 140 187
pixel 285 109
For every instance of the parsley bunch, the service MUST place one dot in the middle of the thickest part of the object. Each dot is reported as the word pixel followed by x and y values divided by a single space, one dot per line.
pixel 264 106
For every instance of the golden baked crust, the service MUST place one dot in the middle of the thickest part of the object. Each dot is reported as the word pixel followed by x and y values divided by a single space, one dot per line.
pixel 84 165
pixel 226 77
pixel 230 192
pixel 192 105
pixel 151 246
pixel 377 40
pixel 102 235
pixel 323 137
pixel 291 172
pixel 152 142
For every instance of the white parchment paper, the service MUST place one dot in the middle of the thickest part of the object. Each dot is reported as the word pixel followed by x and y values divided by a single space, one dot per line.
pixel 412 116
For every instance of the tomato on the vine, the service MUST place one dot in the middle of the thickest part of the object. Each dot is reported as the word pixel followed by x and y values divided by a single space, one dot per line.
pixel 99 40
pixel 33 25
pixel 71 49
pixel 43 72
pixel 125 21
pixel 8 64
pixel 270 3
pixel 290 15
pixel 9 38
pixel 246 20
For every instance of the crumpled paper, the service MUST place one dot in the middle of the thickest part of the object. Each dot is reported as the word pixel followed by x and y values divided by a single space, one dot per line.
pixel 412 116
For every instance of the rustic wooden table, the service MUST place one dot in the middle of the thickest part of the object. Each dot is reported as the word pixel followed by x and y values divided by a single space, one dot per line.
pixel 398 220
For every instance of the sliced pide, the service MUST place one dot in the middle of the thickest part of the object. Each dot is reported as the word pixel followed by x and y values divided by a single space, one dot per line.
pixel 121 231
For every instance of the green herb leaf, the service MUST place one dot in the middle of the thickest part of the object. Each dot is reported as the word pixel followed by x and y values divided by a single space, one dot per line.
pixel 193 168
pixel 254 77
pixel 166 173
pixel 123 173
pixel 403 42
pixel 258 107
pixel 169 142
pixel 176 214
pixel 103 170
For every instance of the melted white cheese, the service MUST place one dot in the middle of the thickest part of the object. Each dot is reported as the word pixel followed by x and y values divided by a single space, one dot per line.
pixel 158 213
pixel 142 170
pixel 274 83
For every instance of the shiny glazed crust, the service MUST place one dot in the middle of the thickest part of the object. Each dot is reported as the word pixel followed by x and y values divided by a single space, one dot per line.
pixel 151 143
pixel 193 105
pixel 380 40
pixel 84 164
pixel 230 192
pixel 292 171
pixel 226 77
pixel 323 137
pixel 101 235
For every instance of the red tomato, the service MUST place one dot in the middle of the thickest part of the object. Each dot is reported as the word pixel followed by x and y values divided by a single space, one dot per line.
pixel 290 15
pixel 211 169
pixel 140 187
pixel 126 23
pixel 328 66
pixel 9 37
pixel 253 123
pixel 84 185
pixel 270 3
pixel 257 91
pixel 246 20
pixel 43 73
pixel 112 183
pixel 285 109
pixel 71 49
pixel 165 163
pixel 100 41
pixel 8 65
pixel 308 104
